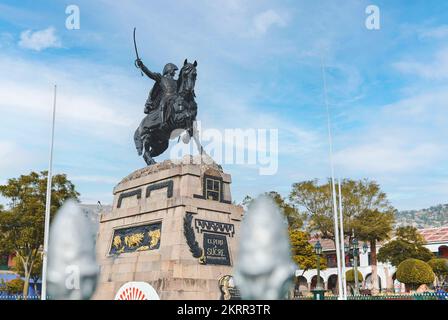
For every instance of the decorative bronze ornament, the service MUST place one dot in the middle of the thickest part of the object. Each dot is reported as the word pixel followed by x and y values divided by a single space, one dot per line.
pixel 228 289
pixel 196 251
pixel 214 227
pixel 136 192
pixel 165 184
pixel 138 238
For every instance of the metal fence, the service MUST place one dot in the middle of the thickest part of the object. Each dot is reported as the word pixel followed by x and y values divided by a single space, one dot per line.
pixel 417 296
pixel 18 297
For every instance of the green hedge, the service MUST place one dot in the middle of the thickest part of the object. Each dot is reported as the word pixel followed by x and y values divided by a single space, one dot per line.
pixel 414 272
pixel 439 266
pixel 350 276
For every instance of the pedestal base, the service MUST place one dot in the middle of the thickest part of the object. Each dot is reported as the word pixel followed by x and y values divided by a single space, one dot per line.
pixel 173 226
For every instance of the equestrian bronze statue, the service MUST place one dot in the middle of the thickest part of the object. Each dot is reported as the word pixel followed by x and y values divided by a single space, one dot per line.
pixel 170 105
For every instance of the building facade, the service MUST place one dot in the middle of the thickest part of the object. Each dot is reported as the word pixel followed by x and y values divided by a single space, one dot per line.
pixel 436 241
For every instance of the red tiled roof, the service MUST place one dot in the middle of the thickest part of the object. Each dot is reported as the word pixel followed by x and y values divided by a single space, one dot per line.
pixel 431 235
pixel 435 234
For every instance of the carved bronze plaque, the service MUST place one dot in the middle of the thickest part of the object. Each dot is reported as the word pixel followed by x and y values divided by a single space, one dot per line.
pixel 216 250
pixel 134 239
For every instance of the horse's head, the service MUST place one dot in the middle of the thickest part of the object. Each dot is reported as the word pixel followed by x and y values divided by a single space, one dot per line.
pixel 187 77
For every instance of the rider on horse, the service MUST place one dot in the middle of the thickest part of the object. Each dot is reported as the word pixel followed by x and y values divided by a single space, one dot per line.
pixel 161 93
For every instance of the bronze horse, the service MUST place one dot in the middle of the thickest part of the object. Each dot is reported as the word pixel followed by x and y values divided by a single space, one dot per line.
pixel 178 112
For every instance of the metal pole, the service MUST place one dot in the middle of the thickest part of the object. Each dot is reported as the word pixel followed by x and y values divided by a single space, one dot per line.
pixel 318 286
pixel 341 222
pixel 48 205
pixel 355 258
pixel 335 212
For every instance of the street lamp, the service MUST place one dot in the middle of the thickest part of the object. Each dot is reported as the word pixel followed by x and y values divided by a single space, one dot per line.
pixel 355 250
pixel 318 251
pixel 365 247
pixel 318 290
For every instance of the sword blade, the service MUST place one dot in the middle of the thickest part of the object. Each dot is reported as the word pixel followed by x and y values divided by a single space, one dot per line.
pixel 135 45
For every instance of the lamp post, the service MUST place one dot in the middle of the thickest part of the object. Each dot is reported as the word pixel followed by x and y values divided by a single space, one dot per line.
pixel 365 247
pixel 318 290
pixel 318 250
pixel 355 249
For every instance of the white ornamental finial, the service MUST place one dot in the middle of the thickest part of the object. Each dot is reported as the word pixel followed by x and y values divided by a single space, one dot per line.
pixel 264 269
pixel 72 266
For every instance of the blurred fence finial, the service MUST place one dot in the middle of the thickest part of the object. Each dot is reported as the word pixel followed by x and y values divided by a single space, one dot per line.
pixel 264 268
pixel 72 266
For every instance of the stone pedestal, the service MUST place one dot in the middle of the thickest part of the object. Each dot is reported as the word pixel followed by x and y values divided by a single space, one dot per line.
pixel 170 226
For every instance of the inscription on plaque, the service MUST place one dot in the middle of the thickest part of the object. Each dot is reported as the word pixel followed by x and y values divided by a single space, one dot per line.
pixel 216 249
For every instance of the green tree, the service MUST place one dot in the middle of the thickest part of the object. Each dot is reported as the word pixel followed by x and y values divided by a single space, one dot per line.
pixel 291 213
pixel 408 243
pixel 22 224
pixel 35 273
pixel 440 268
pixel 414 272
pixel 303 251
pixel 366 211
pixel 374 226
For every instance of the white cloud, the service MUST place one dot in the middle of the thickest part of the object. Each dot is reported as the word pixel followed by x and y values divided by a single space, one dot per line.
pixel 262 22
pixel 39 40
pixel 406 137
pixel 437 69
pixel 387 157
pixel 438 32
pixel 82 105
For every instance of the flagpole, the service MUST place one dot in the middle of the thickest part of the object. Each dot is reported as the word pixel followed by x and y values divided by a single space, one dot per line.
pixel 333 187
pixel 48 205
pixel 341 222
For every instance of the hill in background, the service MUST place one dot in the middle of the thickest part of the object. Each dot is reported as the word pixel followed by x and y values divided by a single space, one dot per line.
pixel 432 217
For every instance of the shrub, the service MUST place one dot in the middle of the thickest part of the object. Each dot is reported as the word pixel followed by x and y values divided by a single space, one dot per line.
pixel 350 276
pixel 440 267
pixel 414 272
pixel 14 286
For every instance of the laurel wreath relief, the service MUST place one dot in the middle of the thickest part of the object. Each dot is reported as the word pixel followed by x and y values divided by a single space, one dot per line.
pixel 195 249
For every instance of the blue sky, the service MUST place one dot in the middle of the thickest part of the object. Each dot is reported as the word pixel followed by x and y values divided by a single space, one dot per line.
pixel 259 67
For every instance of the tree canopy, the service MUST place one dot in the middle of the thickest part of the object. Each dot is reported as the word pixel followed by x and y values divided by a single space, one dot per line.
pixel 290 212
pixel 362 201
pixel 408 243
pixel 22 223
pixel 367 213
pixel 303 252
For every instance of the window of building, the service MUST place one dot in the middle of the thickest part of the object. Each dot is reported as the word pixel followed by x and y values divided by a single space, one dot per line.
pixel 331 260
pixel 213 189
pixel 348 260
